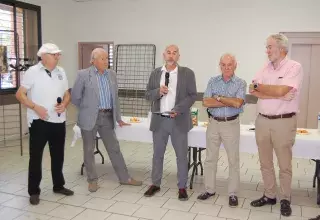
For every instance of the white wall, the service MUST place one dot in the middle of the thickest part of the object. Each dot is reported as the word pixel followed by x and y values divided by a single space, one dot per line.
pixel 203 29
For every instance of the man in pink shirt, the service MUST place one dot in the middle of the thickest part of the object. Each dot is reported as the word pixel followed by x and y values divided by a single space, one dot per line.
pixel 277 87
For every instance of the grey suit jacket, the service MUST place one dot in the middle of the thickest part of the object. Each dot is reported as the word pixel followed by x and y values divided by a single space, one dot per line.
pixel 186 95
pixel 85 95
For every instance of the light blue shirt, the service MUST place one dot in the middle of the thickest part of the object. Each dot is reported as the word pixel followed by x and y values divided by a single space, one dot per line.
pixel 235 88
pixel 105 101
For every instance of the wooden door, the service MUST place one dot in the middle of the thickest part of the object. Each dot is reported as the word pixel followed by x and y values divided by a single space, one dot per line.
pixel 305 48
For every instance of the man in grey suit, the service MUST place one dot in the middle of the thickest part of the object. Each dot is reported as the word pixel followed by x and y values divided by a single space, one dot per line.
pixel 172 91
pixel 95 93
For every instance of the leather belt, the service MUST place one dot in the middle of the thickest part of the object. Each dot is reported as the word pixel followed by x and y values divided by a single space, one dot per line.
pixel 225 118
pixel 105 110
pixel 165 116
pixel 288 115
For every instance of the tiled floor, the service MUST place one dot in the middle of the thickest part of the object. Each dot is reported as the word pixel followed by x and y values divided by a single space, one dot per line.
pixel 115 202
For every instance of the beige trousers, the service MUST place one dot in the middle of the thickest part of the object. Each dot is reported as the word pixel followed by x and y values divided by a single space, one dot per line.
pixel 227 133
pixel 278 135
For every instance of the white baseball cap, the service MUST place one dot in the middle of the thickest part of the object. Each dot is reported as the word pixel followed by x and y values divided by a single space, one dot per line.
pixel 48 48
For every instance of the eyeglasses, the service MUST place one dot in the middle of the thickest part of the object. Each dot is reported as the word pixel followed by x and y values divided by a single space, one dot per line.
pixel 55 54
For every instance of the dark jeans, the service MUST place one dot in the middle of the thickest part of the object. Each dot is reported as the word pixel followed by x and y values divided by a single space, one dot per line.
pixel 42 132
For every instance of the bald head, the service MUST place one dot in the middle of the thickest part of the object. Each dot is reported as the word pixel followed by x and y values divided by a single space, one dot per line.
pixel 228 65
pixel 99 58
pixel 171 55
pixel 172 47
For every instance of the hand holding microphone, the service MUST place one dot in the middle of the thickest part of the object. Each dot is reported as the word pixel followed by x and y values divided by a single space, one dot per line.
pixel 164 89
pixel 59 106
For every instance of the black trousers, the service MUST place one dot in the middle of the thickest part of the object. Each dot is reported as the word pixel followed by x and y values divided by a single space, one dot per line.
pixel 42 132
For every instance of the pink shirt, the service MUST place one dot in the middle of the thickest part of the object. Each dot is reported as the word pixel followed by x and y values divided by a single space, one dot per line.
pixel 288 73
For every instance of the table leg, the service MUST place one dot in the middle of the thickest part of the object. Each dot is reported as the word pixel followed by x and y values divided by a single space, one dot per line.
pixel 96 152
pixel 200 161
pixel 317 175
pixel 194 165
pixel 189 158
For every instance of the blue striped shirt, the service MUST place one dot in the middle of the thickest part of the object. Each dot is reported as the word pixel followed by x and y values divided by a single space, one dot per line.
pixel 105 101
pixel 235 88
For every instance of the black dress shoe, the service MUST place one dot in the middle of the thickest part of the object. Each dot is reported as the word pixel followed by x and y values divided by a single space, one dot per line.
pixel 205 196
pixel 152 190
pixel 233 201
pixel 64 191
pixel 315 218
pixel 263 201
pixel 183 196
pixel 285 208
pixel 34 199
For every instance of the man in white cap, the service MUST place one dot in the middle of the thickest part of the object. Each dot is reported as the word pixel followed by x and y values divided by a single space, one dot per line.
pixel 44 91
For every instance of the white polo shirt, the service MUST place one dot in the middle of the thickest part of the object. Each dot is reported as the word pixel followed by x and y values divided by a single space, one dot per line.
pixel 44 90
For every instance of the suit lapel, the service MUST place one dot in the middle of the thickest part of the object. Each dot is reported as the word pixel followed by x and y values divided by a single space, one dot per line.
pixel 158 78
pixel 93 80
pixel 179 82
pixel 112 87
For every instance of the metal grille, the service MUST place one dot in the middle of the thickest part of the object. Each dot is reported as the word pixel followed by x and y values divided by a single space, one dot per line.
pixel 133 64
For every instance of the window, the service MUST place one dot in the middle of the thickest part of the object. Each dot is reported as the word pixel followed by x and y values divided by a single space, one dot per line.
pixel 19 40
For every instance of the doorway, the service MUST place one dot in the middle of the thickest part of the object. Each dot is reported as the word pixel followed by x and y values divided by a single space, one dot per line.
pixel 85 49
pixel 305 49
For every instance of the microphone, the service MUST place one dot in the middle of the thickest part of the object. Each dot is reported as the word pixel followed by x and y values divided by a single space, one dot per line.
pixel 59 100
pixel 166 82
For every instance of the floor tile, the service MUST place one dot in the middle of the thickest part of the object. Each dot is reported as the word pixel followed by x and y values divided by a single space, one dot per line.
pixel 121 217
pixel 234 213
pixel 75 200
pixel 207 217
pixel 66 211
pixel 127 197
pixel 17 202
pixel 92 214
pixel 123 208
pixel 43 207
pixel 152 201
pixel 178 205
pixel 32 216
pixel 149 212
pixel 11 188
pixel 259 215
pixel 178 215
pixel 99 204
pixel 205 209
pixel 8 213
pixel 310 212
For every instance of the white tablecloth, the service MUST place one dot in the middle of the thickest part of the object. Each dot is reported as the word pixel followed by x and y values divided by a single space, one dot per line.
pixel 306 146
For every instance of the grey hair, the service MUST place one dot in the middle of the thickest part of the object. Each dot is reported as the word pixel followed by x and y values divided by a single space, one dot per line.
pixel 233 57
pixel 96 52
pixel 281 40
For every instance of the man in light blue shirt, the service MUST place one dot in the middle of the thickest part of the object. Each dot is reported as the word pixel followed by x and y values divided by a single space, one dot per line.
pixel 224 97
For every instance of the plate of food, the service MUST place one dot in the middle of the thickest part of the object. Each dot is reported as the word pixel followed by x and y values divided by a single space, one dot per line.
pixel 205 124
pixel 302 131
pixel 134 120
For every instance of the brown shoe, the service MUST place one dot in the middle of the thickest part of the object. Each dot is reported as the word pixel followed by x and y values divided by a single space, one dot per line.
pixel 132 182
pixel 93 187
pixel 151 191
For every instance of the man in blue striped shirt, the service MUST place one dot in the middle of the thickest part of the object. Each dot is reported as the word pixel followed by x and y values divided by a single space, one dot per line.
pixel 95 93
pixel 224 98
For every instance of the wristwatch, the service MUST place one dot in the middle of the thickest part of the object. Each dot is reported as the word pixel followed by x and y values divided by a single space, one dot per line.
pixel 217 97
